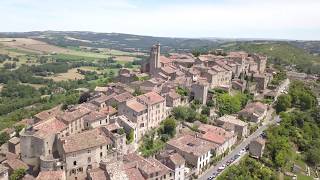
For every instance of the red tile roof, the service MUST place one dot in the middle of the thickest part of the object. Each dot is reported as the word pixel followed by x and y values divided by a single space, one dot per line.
pixel 52 175
pixel 93 138
pixel 151 98
pixel 136 106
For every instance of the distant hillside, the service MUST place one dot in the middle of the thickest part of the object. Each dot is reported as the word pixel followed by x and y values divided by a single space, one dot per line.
pixel 279 52
pixel 312 47
pixel 124 42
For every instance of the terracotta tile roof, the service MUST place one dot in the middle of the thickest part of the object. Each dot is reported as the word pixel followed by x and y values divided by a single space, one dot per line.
pixel 70 116
pixel 214 134
pixel 14 140
pixel 146 166
pixel 136 106
pixel 134 174
pixel 255 108
pixel 174 95
pixel 218 69
pixel 151 98
pixel 52 175
pixel 98 174
pixel 109 110
pixel 44 115
pixel 168 70
pixel 103 98
pixel 233 120
pixel 16 164
pixel 177 159
pixel 94 116
pixel 191 144
pixel 112 126
pixel 123 97
pixel 165 60
pixel 93 138
pixel 49 127
pixel 260 140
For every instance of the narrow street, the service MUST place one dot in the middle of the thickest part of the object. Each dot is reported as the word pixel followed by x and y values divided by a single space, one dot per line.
pixel 243 144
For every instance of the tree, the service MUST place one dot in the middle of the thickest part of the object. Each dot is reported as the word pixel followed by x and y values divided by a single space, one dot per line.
pixel 312 156
pixel 130 136
pixel 18 174
pixel 196 53
pixel 84 97
pixel 137 92
pixel 4 137
pixel 228 104
pixel 169 126
pixel 283 103
pixel 181 113
pixel 18 128
pixel 205 110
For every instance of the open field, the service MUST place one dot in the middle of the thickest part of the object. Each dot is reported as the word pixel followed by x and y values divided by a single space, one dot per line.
pixel 72 74
pixel 39 47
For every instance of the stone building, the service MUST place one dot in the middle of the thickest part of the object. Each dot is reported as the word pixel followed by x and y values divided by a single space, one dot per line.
pixel 52 175
pixel 256 147
pixel 149 169
pixel 232 123
pixel 174 161
pixel 254 112
pixel 83 151
pixel 173 99
pixel 195 151
pixel 37 144
pixel 14 145
pixel 200 91
pixel 221 139
pixel 73 118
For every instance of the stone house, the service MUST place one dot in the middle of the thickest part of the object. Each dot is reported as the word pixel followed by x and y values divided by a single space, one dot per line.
pixel 173 99
pixel 221 139
pixel 174 161
pixel 83 151
pixel 254 112
pixel 232 123
pixel 14 145
pixel 256 147
pixel 149 169
pixel 195 151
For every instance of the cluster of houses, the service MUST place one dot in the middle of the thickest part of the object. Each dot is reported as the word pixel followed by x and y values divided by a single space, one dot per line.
pixel 90 140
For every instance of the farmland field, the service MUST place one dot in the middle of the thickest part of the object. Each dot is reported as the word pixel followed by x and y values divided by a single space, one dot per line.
pixel 72 74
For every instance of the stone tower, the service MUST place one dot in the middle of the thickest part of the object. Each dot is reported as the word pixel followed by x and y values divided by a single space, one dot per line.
pixel 154 58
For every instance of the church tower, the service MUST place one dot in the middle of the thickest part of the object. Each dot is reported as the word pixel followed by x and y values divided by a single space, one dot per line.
pixel 154 58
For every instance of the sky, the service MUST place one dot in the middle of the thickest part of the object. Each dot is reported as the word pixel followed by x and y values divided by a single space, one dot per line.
pixel 269 19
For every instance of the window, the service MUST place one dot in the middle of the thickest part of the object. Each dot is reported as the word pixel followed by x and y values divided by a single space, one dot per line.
pixel 73 155
pixel 74 163
pixel 89 159
pixel 89 151
pixel 101 154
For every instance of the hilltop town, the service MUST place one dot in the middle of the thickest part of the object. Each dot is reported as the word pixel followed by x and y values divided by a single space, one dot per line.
pixel 175 118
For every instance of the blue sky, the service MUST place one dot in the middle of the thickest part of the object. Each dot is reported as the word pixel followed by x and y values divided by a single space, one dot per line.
pixel 276 19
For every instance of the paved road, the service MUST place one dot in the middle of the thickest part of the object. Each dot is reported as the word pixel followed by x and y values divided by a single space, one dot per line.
pixel 243 144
